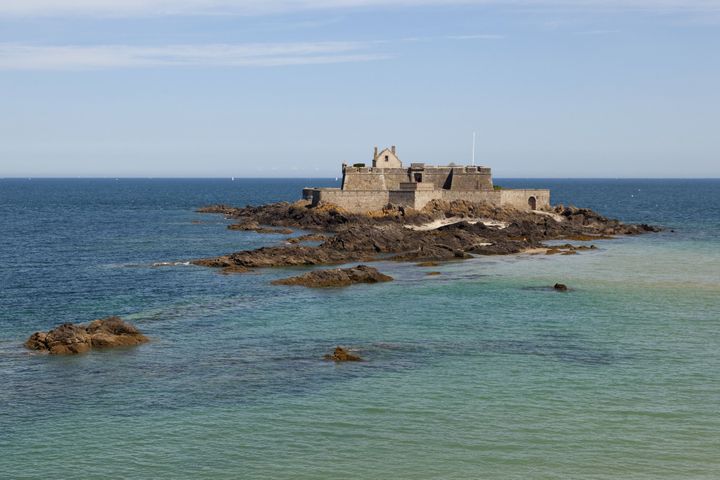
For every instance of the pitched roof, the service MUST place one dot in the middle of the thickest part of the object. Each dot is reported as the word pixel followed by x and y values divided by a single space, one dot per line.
pixel 388 151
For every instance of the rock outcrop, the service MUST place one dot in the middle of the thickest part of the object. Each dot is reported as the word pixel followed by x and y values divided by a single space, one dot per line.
pixel 257 228
pixel 70 338
pixel 560 287
pixel 342 355
pixel 310 237
pixel 402 234
pixel 339 277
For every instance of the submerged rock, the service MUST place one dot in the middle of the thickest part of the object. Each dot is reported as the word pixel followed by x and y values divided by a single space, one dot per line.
pixel 339 277
pixel 428 264
pixel 255 227
pixel 70 338
pixel 342 355
pixel 568 249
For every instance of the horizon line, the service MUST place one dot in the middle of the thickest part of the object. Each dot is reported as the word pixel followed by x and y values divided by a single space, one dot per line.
pixel 231 178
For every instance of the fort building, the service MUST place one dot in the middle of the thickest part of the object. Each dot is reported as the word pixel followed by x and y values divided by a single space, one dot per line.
pixel 387 181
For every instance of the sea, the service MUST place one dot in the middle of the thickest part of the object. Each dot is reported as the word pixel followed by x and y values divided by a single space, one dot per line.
pixel 479 372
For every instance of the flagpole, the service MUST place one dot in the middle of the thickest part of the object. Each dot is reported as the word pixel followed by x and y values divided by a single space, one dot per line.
pixel 473 151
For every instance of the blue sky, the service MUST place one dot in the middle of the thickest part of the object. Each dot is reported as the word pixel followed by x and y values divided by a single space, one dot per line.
pixel 216 88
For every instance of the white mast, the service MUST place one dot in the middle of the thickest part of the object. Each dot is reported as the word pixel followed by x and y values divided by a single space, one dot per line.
pixel 473 152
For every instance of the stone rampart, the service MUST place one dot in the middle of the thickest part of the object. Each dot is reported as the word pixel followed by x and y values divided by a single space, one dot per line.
pixel 359 201
pixel 447 178
pixel 470 178
pixel 522 199
pixel 363 178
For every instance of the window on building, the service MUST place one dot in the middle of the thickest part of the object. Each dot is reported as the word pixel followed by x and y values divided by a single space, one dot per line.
pixel 387 158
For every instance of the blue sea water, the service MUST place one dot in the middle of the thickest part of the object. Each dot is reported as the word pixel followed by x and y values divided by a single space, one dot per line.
pixel 475 373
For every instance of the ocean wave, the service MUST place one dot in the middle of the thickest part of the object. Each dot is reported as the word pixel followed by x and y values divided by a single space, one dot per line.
pixel 170 264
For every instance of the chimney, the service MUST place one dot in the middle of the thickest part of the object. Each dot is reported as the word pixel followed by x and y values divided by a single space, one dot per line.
pixel 375 155
pixel 392 149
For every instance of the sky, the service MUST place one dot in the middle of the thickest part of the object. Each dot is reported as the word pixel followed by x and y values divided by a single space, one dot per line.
pixel 294 88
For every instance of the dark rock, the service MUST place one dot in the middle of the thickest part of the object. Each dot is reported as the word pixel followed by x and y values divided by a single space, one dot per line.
pixel 71 338
pixel 310 237
pixel 383 234
pixel 278 257
pixel 342 355
pixel 560 287
pixel 255 227
pixel 339 277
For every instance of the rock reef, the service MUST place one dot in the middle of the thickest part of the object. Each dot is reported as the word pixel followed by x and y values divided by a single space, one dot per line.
pixel 339 277
pixel 70 338
pixel 439 232
pixel 342 355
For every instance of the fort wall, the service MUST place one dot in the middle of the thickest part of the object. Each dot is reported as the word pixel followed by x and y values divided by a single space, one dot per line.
pixel 470 178
pixel 361 201
pixel 358 201
pixel 369 178
pixel 521 198
pixel 366 189
pixel 364 178
pixel 448 178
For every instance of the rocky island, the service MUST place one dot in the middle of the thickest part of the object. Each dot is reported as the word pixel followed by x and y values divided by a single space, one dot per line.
pixel 440 231
pixel 418 214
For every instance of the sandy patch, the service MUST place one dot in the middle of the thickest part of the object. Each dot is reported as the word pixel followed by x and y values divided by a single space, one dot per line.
pixel 534 251
pixel 434 225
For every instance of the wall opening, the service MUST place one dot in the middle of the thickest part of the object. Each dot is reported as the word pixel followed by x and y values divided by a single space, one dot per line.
pixel 418 177
pixel 532 203
pixel 387 158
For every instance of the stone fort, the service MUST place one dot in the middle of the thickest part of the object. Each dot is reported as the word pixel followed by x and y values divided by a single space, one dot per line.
pixel 387 181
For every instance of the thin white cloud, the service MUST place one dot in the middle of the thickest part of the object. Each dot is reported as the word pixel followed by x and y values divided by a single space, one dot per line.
pixel 261 7
pixel 597 32
pixel 33 57
pixel 478 36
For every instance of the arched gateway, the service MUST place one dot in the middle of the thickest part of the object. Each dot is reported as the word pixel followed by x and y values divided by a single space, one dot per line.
pixel 532 202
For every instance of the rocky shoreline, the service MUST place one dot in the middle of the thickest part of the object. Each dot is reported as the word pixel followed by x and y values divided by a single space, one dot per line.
pixel 439 232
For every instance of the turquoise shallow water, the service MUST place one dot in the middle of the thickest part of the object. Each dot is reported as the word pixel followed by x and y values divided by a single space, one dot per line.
pixel 476 373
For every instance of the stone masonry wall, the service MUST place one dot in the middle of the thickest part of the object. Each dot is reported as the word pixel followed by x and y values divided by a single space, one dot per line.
pixel 363 178
pixel 466 179
pixel 449 178
pixel 352 201
pixel 490 197
pixel 366 201
pixel 520 198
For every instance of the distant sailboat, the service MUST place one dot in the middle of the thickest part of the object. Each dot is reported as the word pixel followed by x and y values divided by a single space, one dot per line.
pixel 232 179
